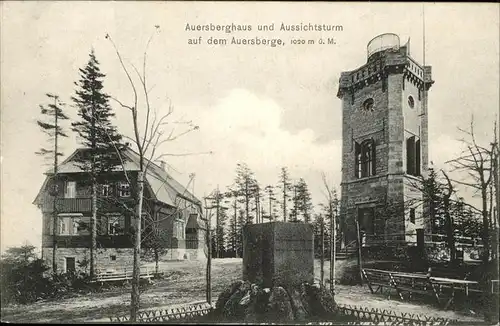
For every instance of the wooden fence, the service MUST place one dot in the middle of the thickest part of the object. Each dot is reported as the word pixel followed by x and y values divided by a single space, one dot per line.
pixel 356 314
pixel 175 315
pixel 345 314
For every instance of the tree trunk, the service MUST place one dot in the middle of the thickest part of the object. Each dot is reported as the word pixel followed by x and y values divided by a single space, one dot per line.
pixel 157 258
pixel 449 230
pixel 217 229
pixel 54 244
pixel 322 256
pixel 333 249
pixel 93 229
pixel 135 294
pixel 486 233
pixel 235 231
pixel 209 264
pixel 358 240
pixel 247 202
pixel 56 191
pixel 284 201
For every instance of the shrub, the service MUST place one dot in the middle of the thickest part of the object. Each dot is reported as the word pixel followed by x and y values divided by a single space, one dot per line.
pixel 24 278
pixel 24 282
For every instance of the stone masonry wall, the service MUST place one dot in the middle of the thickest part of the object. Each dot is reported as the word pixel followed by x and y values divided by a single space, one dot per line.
pixel 123 258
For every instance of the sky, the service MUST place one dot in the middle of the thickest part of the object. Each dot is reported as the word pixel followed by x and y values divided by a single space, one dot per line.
pixel 266 106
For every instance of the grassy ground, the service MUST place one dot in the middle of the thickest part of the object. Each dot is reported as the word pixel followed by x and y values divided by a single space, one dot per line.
pixel 185 283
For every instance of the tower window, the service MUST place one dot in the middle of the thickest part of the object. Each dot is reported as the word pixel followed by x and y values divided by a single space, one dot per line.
pixel 365 159
pixel 413 156
pixel 411 102
pixel 368 105
pixel 412 215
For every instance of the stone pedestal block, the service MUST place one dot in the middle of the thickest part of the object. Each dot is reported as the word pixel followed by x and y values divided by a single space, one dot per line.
pixel 278 254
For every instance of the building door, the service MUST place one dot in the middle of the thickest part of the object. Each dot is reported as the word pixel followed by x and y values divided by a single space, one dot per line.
pixel 70 265
pixel 366 218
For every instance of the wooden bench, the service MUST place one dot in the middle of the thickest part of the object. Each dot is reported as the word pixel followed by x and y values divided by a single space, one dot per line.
pixel 398 281
pixel 410 283
pixel 121 275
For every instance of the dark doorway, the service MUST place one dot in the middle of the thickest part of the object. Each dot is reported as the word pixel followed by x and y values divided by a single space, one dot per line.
pixel 366 220
pixel 70 265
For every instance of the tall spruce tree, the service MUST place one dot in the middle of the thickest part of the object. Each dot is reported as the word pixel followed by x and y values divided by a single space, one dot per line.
pixel 304 200
pixel 97 134
pixel 285 185
pixel 51 125
pixel 246 188
pixel 270 196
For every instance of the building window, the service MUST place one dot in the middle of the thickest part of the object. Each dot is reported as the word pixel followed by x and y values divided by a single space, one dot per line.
pixel 70 191
pixel 105 190
pixel 412 215
pixel 123 189
pixel 112 257
pixel 178 231
pixel 73 225
pixel 64 225
pixel 365 159
pixel 411 102
pixel 413 156
pixel 116 224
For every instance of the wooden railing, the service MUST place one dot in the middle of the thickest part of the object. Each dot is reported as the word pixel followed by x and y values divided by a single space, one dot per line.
pixel 84 205
pixel 411 237
pixel 73 205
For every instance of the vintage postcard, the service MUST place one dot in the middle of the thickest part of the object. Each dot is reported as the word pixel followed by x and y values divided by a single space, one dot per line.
pixel 249 162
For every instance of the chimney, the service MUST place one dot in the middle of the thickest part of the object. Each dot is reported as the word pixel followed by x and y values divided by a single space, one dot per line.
pixel 163 165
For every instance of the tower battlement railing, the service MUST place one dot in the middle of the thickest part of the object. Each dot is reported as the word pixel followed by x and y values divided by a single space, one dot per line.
pixel 382 42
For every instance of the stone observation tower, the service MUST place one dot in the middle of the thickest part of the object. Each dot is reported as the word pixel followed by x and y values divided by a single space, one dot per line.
pixel 385 144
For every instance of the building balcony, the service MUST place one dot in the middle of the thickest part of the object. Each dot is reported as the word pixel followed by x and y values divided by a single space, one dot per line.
pixel 74 205
pixel 84 205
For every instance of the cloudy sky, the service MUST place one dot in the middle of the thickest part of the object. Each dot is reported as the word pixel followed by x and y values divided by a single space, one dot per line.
pixel 266 106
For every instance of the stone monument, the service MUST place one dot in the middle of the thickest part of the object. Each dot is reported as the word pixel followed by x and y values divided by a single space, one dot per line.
pixel 278 278
pixel 278 253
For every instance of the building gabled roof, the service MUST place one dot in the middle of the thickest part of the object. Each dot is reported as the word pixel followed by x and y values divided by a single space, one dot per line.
pixel 164 187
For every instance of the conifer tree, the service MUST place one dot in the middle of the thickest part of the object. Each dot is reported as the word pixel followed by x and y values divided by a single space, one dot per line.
pixel 270 196
pixel 51 125
pixel 246 187
pixel 284 184
pixel 97 134
pixel 304 200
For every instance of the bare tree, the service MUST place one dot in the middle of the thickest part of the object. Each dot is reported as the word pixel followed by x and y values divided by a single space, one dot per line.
pixel 477 162
pixel 331 197
pixel 147 139
pixel 207 225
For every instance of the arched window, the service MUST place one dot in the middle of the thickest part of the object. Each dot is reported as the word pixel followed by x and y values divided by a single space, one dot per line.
pixel 413 156
pixel 365 159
